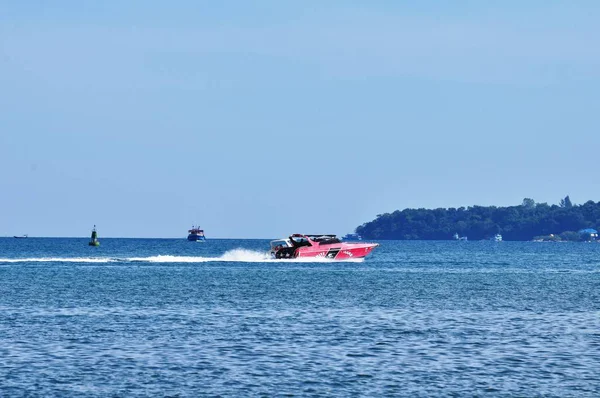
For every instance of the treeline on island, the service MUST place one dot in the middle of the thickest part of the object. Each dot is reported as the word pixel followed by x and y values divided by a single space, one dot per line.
pixel 527 221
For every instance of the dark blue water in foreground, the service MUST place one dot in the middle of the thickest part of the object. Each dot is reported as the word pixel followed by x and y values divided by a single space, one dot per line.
pixel 159 317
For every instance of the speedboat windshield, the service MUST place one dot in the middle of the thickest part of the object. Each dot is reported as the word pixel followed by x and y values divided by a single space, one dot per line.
pixel 299 241
pixel 280 243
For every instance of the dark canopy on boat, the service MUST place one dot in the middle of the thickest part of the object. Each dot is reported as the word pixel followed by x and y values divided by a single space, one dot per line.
pixel 324 239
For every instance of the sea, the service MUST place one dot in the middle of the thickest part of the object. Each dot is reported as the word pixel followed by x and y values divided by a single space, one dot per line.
pixel 172 318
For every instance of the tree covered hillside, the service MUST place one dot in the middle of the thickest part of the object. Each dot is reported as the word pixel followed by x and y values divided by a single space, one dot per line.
pixel 523 222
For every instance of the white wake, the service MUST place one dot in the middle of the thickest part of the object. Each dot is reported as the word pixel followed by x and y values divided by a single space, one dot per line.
pixel 236 255
pixel 59 260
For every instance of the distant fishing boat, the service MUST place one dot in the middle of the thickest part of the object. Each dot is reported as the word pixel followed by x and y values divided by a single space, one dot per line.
pixel 196 234
pixel 349 237
pixel 457 237
pixel 94 239
pixel 21 237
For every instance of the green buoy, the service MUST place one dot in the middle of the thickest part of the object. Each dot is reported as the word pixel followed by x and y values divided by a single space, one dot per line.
pixel 94 240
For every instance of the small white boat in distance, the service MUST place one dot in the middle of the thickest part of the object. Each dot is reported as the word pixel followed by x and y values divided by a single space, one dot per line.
pixel 456 237
pixel 349 237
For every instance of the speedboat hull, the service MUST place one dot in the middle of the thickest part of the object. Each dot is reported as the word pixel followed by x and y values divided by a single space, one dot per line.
pixel 337 252
pixel 319 246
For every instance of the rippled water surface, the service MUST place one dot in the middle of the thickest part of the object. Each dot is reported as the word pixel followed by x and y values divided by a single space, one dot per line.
pixel 160 317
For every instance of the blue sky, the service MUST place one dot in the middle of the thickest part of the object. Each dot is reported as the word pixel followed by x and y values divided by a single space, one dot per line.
pixel 260 119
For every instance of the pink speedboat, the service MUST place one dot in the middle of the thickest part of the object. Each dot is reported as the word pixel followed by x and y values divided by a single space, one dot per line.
pixel 319 246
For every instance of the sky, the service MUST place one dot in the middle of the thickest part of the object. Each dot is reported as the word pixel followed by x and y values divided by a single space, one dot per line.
pixel 265 118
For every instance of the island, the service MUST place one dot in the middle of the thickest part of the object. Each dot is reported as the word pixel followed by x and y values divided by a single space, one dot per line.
pixel 528 221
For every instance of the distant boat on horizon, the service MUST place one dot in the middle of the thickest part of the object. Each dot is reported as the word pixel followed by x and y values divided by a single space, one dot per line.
pixel 21 237
pixel 348 237
pixel 457 237
pixel 196 234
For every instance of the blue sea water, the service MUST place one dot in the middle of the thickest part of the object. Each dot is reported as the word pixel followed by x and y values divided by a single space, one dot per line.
pixel 166 317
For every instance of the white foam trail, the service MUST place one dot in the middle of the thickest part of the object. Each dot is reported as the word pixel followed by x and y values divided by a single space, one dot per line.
pixel 170 259
pixel 243 255
pixel 236 255
pixel 58 260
